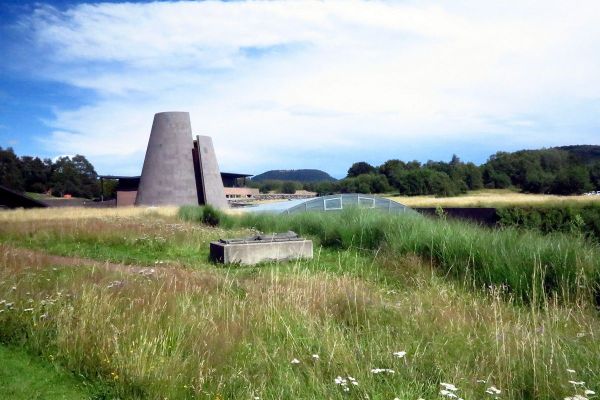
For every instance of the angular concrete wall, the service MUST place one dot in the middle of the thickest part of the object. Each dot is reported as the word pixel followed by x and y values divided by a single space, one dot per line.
pixel 168 172
pixel 210 184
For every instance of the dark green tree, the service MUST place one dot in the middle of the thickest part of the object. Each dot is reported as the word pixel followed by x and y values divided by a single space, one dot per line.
pixel 11 174
pixel 360 168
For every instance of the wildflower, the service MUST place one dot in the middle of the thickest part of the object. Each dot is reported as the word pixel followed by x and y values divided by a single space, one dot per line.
pixel 28 309
pixel 13 288
pixel 589 392
pixel 295 361
pixel 576 397
pixel 315 356
pixel 577 383
pixel 44 316
pixel 380 370
pixel 481 381
pixel 399 354
pixel 493 390
pixel 571 371
pixel 448 393
pixel 449 386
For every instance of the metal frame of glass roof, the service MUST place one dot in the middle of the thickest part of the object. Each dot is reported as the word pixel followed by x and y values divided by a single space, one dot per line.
pixel 334 202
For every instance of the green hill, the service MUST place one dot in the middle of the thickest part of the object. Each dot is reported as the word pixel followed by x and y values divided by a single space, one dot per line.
pixel 586 154
pixel 297 175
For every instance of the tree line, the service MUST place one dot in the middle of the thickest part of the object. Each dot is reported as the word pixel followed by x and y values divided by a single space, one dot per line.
pixel 564 171
pixel 66 175
pixel 568 170
pixel 550 171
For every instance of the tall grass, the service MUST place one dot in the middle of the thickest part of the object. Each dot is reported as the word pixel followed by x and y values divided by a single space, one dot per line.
pixel 194 330
pixel 529 265
pixel 185 334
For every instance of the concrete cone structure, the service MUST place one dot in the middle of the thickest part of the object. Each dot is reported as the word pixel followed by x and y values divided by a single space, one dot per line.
pixel 168 176
pixel 208 176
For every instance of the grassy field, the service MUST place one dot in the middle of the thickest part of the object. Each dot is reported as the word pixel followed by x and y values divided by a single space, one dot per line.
pixel 495 198
pixel 24 377
pixel 389 307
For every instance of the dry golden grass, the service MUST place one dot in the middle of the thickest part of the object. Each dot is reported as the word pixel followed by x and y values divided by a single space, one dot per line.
pixel 495 198
pixel 71 213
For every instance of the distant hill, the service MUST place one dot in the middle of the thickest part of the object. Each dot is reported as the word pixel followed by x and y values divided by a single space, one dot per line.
pixel 586 154
pixel 297 175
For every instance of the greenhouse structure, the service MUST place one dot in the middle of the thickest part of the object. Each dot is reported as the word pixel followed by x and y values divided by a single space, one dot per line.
pixel 334 202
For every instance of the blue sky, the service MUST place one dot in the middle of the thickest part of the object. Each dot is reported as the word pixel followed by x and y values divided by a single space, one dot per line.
pixel 281 85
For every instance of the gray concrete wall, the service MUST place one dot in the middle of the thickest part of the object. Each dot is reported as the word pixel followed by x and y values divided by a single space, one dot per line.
pixel 168 172
pixel 211 183
pixel 254 253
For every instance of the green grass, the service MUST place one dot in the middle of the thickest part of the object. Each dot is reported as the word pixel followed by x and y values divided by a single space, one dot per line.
pixel 194 330
pixel 25 377
pixel 531 266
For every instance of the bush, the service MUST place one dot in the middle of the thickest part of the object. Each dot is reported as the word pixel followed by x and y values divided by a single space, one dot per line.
pixel 571 219
pixel 207 215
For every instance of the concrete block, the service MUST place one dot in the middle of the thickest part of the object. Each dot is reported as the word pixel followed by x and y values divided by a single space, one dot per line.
pixel 259 251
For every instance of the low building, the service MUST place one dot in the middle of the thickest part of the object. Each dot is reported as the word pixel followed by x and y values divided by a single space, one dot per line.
pixel 241 193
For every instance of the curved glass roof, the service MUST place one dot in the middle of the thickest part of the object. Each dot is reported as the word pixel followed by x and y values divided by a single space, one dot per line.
pixel 334 202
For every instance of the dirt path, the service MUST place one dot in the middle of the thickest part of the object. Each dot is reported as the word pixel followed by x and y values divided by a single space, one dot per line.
pixel 41 258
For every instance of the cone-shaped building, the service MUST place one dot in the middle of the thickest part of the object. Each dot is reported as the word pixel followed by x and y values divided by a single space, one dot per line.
pixel 168 174
pixel 208 177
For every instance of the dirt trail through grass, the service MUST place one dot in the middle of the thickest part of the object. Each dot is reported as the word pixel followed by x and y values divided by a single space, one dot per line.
pixel 46 259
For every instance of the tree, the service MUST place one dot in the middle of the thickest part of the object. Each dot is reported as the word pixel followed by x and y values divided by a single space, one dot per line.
pixel 595 175
pixel 36 174
pixel 288 187
pixel 389 167
pixel 74 176
pixel 574 180
pixel 360 168
pixel 11 174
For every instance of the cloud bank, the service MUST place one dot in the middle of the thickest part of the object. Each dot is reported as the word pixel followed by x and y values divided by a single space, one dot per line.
pixel 322 84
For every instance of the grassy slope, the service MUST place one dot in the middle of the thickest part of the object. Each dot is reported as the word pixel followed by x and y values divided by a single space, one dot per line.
pixel 25 377
pixel 231 332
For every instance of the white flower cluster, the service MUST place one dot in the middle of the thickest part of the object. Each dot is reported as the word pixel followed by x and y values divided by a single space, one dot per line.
pixel 448 391
pixel 380 370
pixel 579 385
pixel 494 391
pixel 399 354
pixel 345 382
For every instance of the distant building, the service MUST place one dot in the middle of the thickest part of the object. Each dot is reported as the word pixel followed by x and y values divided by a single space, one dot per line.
pixel 233 183
pixel 178 170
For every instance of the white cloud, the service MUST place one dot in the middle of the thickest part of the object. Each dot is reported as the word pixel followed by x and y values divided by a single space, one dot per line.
pixel 273 82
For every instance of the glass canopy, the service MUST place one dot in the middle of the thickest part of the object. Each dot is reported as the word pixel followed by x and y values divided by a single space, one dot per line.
pixel 334 202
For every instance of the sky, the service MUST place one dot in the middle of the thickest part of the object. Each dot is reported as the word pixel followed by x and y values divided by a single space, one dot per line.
pixel 300 84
